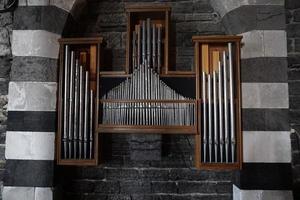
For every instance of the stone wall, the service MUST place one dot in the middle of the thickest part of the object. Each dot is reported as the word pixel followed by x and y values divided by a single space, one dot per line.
pixel 5 65
pixel 293 34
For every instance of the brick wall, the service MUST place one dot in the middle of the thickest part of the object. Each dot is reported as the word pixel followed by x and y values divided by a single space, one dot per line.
pixel 293 34
pixel 5 64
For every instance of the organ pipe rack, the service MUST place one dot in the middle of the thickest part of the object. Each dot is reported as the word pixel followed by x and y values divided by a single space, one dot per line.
pixel 217 63
pixel 142 102
pixel 78 91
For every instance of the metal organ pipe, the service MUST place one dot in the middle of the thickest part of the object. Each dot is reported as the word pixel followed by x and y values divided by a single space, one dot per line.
pixel 231 92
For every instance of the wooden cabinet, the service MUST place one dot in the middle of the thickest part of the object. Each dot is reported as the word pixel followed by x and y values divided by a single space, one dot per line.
pixel 217 64
pixel 78 94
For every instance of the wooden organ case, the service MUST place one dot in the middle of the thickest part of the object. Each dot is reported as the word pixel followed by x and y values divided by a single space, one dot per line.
pixel 140 98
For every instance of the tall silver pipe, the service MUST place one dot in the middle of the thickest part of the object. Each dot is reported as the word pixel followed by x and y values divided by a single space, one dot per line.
pixel 226 106
pixel 134 50
pixel 216 136
pixel 154 47
pixel 81 111
pixel 138 46
pixel 91 124
pixel 144 41
pixel 232 116
pixel 149 41
pixel 66 100
pixel 71 105
pixel 76 108
pixel 210 139
pixel 221 131
pixel 159 39
pixel 86 114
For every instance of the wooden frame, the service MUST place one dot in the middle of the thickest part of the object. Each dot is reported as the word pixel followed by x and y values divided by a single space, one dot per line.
pixel 218 43
pixel 138 12
pixel 94 45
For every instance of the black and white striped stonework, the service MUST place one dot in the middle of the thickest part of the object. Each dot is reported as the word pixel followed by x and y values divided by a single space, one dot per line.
pixel 266 170
pixel 30 140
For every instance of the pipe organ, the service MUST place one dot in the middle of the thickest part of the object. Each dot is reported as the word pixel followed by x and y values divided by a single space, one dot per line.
pixel 218 114
pixel 143 102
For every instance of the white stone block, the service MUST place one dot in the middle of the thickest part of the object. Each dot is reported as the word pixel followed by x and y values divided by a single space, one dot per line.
pixel 259 43
pixel 30 145
pixel 265 95
pixel 275 44
pixel 38 2
pixel 66 5
pixel 22 3
pixel 253 44
pixel 267 146
pixel 35 43
pixel 225 6
pixel 239 194
pixel 32 96
pixel 18 193
pixel 43 194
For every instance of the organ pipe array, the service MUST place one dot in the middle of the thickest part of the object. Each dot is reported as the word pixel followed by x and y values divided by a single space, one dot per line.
pixel 147 44
pixel 218 112
pixel 167 108
pixel 144 99
pixel 78 106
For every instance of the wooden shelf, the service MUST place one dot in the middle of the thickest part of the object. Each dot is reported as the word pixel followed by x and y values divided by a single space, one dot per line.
pixel 128 129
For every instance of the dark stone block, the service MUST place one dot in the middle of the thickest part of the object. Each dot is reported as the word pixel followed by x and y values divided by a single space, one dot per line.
pixel 296 158
pixel 270 17
pixel 290 45
pixel 107 187
pixel 182 7
pixel 293 30
pixel 4 87
pixel 163 187
pixel 31 121
pixel 265 119
pixel 297 46
pixel 294 60
pixel 201 28
pixel 124 174
pixel 50 18
pixel 272 70
pixel 240 20
pixel 135 187
pixel 294 117
pixel 292 4
pixel 92 173
pixel 294 74
pixel 254 17
pixel 155 174
pixel 265 176
pixel 294 87
pixel 294 102
pixel 34 69
pixel 6 19
pixel 29 173
pixel 202 7
pixel 5 65
pixel 288 16
pixel 204 187
pixel 297 15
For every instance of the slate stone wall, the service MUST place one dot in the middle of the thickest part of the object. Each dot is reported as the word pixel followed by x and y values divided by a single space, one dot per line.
pixel 293 34
pixel 6 20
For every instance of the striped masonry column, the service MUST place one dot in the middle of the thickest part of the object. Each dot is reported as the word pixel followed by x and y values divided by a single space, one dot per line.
pixel 266 172
pixel 30 139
